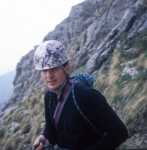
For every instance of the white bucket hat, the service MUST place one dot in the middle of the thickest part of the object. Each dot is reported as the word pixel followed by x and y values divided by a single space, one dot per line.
pixel 50 54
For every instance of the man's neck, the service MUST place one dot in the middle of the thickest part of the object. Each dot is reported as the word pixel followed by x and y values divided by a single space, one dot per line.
pixel 58 93
pixel 59 90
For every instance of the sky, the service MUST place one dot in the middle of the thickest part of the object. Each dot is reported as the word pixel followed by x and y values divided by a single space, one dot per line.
pixel 24 23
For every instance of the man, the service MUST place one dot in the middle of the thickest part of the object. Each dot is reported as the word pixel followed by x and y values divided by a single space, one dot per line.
pixel 64 124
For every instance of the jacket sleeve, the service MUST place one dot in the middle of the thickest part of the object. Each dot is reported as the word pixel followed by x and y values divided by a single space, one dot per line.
pixel 49 130
pixel 105 120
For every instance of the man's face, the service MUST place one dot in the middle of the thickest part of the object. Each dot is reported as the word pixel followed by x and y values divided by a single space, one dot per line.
pixel 55 77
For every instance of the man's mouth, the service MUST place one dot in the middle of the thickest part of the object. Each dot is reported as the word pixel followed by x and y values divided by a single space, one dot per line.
pixel 51 82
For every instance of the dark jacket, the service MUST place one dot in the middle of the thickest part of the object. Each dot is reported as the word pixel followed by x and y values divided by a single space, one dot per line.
pixel 73 131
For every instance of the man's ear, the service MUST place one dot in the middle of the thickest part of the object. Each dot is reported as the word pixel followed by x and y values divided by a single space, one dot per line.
pixel 68 69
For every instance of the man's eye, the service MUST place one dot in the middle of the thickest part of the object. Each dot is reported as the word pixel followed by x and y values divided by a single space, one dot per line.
pixel 55 69
pixel 44 71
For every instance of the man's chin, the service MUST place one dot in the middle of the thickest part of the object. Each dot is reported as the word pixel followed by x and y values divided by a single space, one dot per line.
pixel 54 89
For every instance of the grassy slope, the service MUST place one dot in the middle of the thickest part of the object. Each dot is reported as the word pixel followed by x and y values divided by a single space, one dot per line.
pixel 125 92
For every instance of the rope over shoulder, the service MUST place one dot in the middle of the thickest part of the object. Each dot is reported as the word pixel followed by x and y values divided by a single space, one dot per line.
pixel 84 78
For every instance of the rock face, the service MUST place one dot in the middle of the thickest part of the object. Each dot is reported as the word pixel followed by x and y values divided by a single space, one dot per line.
pixel 6 87
pixel 107 38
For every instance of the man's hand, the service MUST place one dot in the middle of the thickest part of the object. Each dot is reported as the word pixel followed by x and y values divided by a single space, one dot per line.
pixel 40 142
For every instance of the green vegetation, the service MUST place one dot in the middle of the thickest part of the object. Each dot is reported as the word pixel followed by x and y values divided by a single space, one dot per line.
pixel 25 121
pixel 124 79
pixel 140 42
pixel 25 129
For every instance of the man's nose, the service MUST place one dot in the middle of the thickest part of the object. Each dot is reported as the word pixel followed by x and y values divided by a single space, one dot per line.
pixel 49 73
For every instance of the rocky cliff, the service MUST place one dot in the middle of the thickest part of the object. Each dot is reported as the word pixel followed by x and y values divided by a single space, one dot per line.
pixel 108 39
